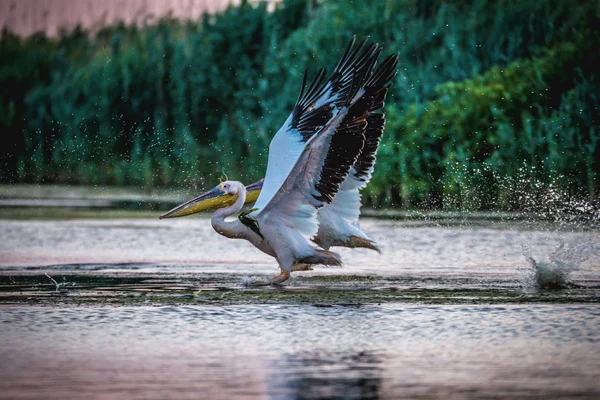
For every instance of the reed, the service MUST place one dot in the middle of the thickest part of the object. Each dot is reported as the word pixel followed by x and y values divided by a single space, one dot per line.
pixel 486 92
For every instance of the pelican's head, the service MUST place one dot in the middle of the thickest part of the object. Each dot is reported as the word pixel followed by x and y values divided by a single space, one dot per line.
pixel 230 188
pixel 222 195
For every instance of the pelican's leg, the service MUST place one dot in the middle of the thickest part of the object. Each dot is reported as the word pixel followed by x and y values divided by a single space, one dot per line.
pixel 285 265
pixel 301 267
pixel 283 276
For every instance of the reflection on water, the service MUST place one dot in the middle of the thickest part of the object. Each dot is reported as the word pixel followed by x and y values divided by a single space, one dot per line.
pixel 257 351
pixel 354 375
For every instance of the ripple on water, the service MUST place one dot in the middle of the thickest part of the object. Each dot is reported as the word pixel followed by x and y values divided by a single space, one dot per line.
pixel 279 350
pixel 282 345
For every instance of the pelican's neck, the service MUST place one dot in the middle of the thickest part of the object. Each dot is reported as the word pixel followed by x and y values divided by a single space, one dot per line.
pixel 230 229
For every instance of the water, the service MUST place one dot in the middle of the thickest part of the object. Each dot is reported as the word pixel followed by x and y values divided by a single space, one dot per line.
pixel 291 351
pixel 94 305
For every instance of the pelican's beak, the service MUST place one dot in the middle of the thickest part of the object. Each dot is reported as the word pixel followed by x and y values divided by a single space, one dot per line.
pixel 253 190
pixel 213 199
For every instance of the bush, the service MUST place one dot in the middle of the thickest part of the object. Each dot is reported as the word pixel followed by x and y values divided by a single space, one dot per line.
pixel 482 86
pixel 481 131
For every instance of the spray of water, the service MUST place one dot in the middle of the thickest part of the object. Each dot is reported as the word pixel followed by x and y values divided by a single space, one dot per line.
pixel 554 271
pixel 60 287
pixel 543 203
pixel 566 213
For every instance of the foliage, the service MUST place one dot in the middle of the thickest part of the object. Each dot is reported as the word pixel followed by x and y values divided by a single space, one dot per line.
pixel 478 132
pixel 489 94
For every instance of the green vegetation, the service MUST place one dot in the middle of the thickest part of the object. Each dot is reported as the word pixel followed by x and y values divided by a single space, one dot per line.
pixel 492 99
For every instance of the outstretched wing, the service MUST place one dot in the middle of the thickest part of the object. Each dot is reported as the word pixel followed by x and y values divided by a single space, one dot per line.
pixel 314 179
pixel 325 160
pixel 347 201
pixel 315 108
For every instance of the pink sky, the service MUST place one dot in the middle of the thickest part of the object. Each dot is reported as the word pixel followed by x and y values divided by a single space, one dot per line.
pixel 25 17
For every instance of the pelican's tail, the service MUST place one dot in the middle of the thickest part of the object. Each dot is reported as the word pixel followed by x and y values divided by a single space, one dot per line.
pixel 322 257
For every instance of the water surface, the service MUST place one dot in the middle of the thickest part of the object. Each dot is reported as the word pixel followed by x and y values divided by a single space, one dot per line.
pixel 101 305
pixel 290 351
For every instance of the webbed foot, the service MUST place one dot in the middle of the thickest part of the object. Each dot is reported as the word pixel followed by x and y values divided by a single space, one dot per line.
pixel 301 267
pixel 279 279
pixel 276 281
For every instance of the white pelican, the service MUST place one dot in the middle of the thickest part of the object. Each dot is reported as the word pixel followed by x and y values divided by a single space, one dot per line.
pixel 318 161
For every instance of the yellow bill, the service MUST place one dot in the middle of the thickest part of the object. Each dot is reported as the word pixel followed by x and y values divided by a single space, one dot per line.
pixel 212 200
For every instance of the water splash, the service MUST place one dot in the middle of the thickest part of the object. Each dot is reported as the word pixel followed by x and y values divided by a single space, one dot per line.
pixel 60 287
pixel 554 272
pixel 566 213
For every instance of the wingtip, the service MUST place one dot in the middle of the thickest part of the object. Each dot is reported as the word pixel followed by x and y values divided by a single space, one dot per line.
pixel 303 85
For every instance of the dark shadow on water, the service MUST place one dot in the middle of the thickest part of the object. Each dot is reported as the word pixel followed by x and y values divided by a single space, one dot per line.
pixel 322 376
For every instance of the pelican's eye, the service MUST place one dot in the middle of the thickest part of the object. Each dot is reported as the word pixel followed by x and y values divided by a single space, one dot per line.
pixel 225 187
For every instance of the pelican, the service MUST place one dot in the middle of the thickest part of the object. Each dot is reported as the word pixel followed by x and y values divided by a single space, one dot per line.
pixel 318 161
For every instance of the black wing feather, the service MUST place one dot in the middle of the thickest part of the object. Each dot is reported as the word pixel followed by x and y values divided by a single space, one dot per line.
pixel 346 145
pixel 347 78
pixel 366 160
pixel 357 138
pixel 376 88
